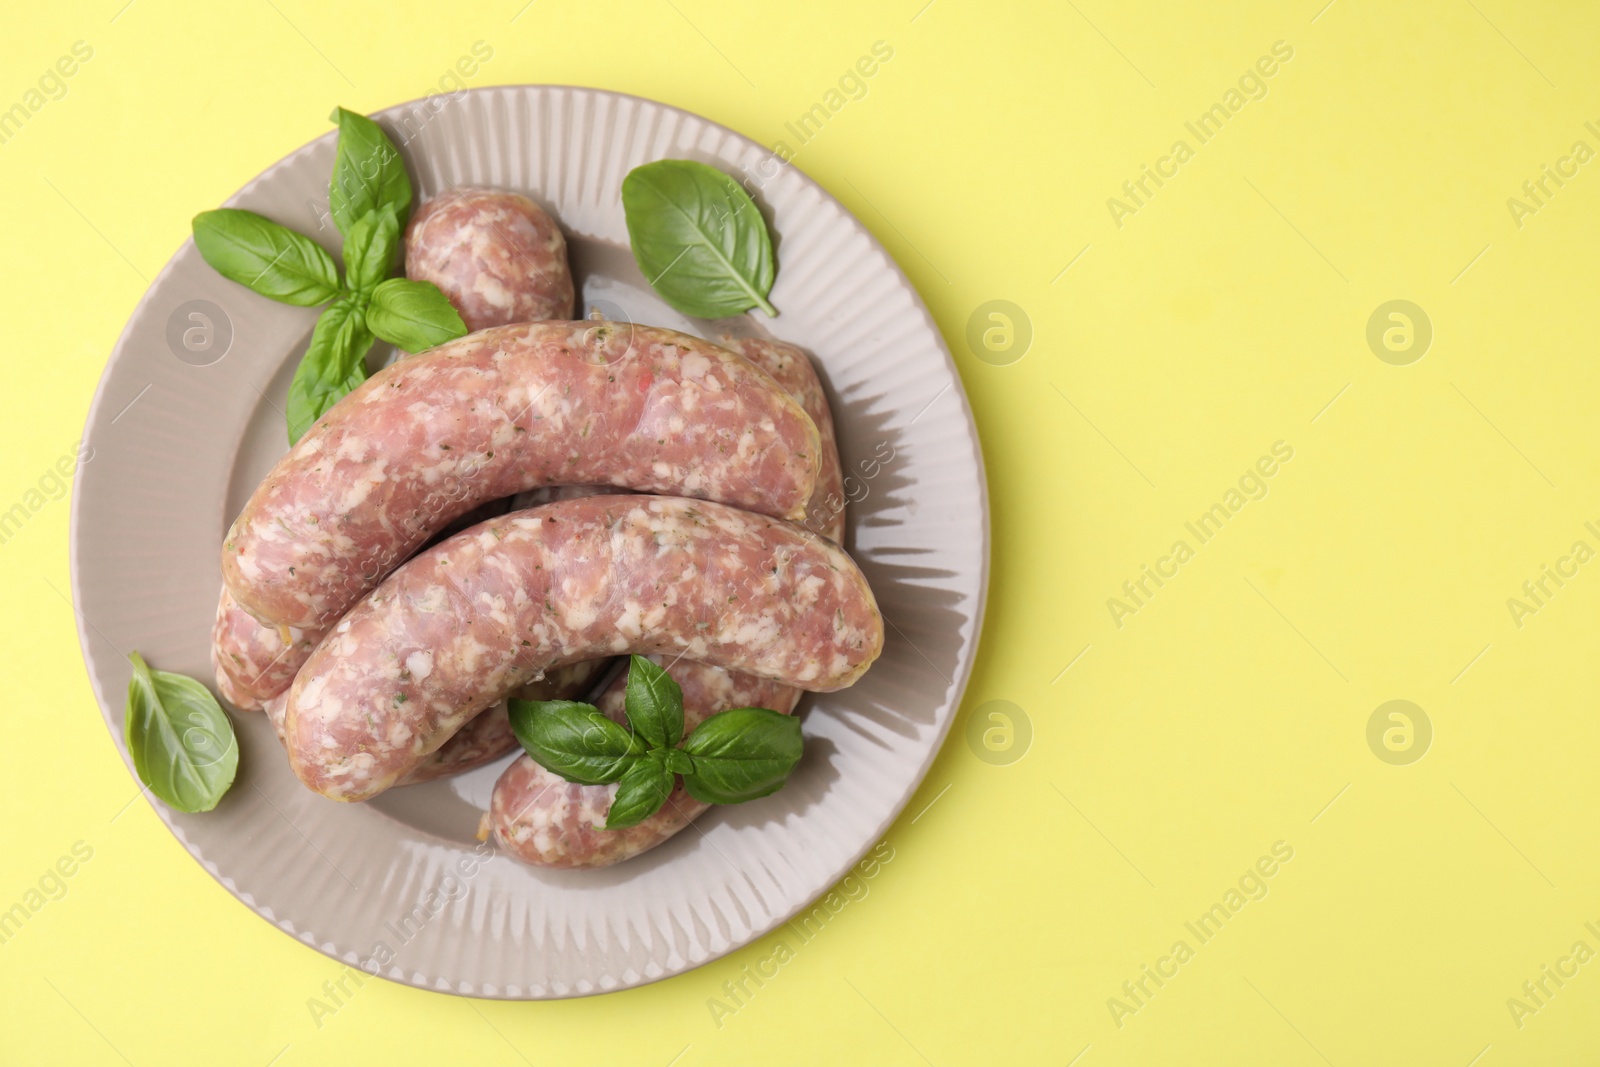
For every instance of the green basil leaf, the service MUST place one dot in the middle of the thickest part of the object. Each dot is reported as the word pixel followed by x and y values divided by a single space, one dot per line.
pixel 333 365
pixel 678 761
pixel 699 238
pixel 368 173
pixel 413 315
pixel 369 249
pixel 742 754
pixel 271 259
pixel 574 740
pixel 181 741
pixel 644 788
pixel 653 704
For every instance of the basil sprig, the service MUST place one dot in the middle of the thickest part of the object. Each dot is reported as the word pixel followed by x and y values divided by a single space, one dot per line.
pixel 731 757
pixel 181 741
pixel 699 238
pixel 369 197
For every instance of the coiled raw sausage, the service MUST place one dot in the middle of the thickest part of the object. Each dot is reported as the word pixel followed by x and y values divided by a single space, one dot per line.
pixel 496 413
pixel 476 616
pixel 544 820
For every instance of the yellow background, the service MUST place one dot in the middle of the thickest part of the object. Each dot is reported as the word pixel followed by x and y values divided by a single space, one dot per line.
pixel 1229 713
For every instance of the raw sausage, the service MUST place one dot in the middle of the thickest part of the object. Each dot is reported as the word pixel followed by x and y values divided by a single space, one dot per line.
pixel 476 616
pixel 496 413
pixel 791 368
pixel 547 821
pixel 488 736
pixel 252 661
pixel 542 819
pixel 497 256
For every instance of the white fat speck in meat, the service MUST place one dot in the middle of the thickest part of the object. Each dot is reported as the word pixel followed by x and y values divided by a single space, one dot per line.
pixel 420 664
pixel 695 366
pixel 628 623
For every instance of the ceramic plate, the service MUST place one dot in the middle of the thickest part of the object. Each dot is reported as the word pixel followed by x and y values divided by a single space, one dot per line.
pixel 187 419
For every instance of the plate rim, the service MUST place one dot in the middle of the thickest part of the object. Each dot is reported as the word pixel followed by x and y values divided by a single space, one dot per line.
pixel 960 681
